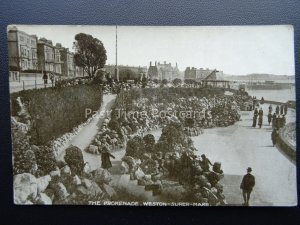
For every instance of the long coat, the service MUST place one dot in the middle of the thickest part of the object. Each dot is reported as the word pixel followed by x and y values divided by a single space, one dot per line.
pixel 248 182
pixel 105 158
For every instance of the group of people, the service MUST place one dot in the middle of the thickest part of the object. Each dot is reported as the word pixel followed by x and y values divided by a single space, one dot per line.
pixel 277 119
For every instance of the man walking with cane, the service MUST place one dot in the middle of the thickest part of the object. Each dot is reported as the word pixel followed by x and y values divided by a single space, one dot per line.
pixel 247 185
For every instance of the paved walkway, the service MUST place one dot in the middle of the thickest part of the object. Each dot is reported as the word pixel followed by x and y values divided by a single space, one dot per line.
pixel 87 134
pixel 240 146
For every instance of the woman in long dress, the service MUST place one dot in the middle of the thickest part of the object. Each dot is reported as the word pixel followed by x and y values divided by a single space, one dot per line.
pixel 105 157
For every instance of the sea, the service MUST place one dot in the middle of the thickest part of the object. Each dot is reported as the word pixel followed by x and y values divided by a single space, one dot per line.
pixel 282 95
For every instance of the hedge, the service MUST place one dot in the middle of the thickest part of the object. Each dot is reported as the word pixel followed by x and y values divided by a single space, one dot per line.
pixel 56 111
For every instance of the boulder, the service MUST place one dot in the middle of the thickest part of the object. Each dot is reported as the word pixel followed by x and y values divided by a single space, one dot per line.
pixel 108 190
pixel 60 164
pixel 55 173
pixel 139 174
pixel 93 149
pixel 87 168
pixel 25 188
pixel 43 182
pixel 86 183
pixel 124 167
pixel 43 199
pixel 76 180
pixel 60 191
pixel 101 176
pixel 65 170
pixel 92 191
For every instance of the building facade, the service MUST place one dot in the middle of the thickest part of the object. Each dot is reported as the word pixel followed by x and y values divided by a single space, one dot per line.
pixel 163 71
pixel 202 74
pixel 126 72
pixel 49 56
pixel 22 50
pixel 68 66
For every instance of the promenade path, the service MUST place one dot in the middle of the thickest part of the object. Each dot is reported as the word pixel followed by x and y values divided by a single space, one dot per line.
pixel 240 146
pixel 87 133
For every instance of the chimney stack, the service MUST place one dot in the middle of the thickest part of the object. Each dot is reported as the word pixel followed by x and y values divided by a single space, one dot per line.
pixel 150 63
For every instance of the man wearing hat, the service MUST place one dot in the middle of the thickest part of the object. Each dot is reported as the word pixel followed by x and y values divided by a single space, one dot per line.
pixel 247 185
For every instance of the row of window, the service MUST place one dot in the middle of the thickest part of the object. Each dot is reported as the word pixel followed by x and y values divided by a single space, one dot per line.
pixel 28 41
pixel 28 54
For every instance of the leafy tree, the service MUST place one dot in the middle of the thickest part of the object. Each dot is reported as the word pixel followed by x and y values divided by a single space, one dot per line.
pixel 164 81
pixel 74 159
pixel 127 74
pixel 90 53
pixel 156 81
pixel 177 81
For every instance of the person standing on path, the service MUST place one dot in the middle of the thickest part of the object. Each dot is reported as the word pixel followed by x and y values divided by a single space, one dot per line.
pixel 105 157
pixel 255 117
pixel 269 118
pixel 270 108
pixel 277 109
pixel 260 117
pixel 274 121
pixel 274 136
pixel 247 185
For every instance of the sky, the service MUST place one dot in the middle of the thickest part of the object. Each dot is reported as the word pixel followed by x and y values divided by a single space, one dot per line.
pixel 235 50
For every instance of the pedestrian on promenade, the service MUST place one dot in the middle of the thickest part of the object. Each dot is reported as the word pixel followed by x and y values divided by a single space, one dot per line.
pixel 270 108
pixel 45 78
pixel 285 109
pixel 274 136
pixel 277 109
pixel 281 109
pixel 260 117
pixel 262 101
pixel 269 118
pixel 105 157
pixel 283 120
pixel 247 185
pixel 255 117
pixel 274 121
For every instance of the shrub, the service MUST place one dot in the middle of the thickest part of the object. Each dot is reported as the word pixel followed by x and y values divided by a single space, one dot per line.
pixel 149 142
pixel 134 147
pixel 56 111
pixel 74 159
pixel 24 160
pixel 45 159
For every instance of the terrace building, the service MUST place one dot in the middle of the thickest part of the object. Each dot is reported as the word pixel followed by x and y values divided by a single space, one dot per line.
pixel 22 50
pixel 68 66
pixel 49 56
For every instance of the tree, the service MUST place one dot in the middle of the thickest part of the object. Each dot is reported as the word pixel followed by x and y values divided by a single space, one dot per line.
pixel 164 81
pixel 177 81
pixel 90 53
pixel 127 74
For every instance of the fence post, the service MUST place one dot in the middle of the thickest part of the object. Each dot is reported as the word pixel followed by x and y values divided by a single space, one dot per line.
pixel 35 84
pixel 23 85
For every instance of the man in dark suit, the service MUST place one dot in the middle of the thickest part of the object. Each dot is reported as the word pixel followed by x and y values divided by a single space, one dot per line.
pixel 247 185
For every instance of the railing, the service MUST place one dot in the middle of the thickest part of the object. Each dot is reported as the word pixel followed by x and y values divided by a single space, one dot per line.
pixel 30 84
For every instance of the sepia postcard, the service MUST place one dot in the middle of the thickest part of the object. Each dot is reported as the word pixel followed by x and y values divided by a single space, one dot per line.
pixel 153 115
